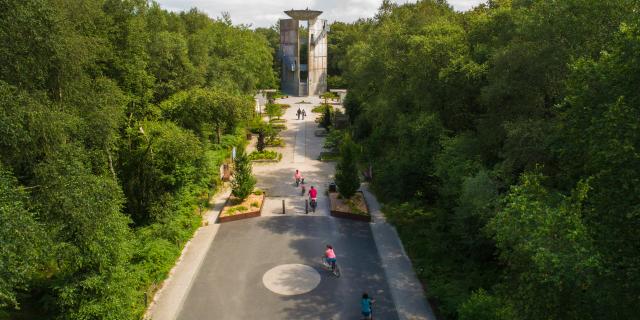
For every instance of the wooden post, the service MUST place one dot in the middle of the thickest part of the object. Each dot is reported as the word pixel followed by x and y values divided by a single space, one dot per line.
pixel 282 206
pixel 306 206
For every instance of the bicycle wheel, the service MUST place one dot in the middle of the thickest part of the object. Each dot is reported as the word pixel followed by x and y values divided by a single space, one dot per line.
pixel 336 271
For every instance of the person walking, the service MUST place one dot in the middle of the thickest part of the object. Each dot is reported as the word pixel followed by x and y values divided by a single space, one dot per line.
pixel 304 114
pixel 299 113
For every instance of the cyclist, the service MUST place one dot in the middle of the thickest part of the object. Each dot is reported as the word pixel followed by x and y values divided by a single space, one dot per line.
pixel 365 306
pixel 303 188
pixel 313 194
pixel 330 256
pixel 297 176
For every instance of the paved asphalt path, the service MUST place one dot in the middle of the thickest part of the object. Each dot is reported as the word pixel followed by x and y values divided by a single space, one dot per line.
pixel 229 284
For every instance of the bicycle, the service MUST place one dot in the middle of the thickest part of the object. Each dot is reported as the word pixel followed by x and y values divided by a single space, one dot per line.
pixel 334 268
pixel 370 316
pixel 313 203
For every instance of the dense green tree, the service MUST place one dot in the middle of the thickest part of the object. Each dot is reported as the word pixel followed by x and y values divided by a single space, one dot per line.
pixel 109 109
pixel 243 180
pixel 272 34
pixel 23 240
pixel 274 110
pixel 347 177
pixel 208 111
pixel 462 114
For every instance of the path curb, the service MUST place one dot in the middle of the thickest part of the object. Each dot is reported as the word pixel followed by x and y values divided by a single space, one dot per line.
pixel 168 300
pixel 406 291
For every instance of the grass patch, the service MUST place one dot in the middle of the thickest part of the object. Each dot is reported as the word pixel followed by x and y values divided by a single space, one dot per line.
pixel 236 206
pixel 265 155
pixel 277 121
pixel 279 126
pixel 277 142
pixel 237 209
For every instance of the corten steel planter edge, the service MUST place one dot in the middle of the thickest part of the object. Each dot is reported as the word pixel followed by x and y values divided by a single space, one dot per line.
pixel 349 215
pixel 236 217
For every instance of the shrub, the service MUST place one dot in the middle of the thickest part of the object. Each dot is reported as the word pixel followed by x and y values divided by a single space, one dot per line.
pixel 325 122
pixel 321 108
pixel 483 306
pixel 260 145
pixel 332 142
pixel 265 155
pixel 274 110
pixel 347 171
pixel 277 142
pixel 328 95
pixel 243 180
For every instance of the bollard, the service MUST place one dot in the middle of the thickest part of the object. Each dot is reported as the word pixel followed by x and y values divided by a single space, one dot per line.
pixel 306 206
pixel 146 299
pixel 282 206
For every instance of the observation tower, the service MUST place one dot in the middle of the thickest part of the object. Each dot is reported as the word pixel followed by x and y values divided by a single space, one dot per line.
pixel 303 49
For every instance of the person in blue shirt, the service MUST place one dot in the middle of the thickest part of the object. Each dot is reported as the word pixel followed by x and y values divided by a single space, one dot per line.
pixel 365 306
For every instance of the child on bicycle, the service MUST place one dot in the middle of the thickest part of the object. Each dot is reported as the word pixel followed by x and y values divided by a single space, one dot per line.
pixel 330 255
pixel 297 176
pixel 365 306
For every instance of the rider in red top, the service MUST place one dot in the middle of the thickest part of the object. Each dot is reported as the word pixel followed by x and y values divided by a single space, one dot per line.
pixel 313 193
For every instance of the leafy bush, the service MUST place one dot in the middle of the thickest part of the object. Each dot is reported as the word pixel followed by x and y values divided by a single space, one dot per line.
pixel 274 110
pixel 260 144
pixel 333 140
pixel 336 82
pixel 274 95
pixel 322 108
pixel 347 171
pixel 265 155
pixel 483 306
pixel 278 142
pixel 243 180
pixel 325 120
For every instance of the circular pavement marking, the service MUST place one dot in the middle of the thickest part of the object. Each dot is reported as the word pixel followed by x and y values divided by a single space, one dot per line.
pixel 291 279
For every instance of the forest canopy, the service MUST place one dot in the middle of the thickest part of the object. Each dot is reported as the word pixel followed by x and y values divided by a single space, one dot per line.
pixel 116 115
pixel 505 142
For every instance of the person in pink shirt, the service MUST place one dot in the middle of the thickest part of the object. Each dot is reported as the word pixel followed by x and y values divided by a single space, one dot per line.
pixel 313 193
pixel 297 176
pixel 330 255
